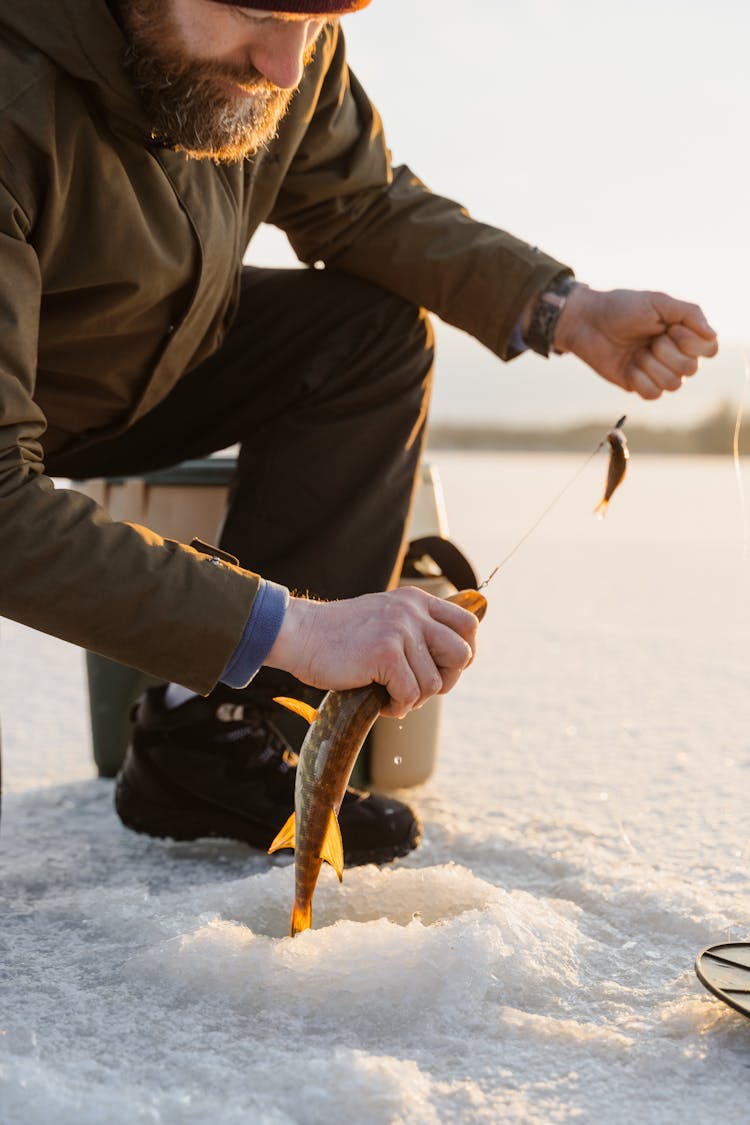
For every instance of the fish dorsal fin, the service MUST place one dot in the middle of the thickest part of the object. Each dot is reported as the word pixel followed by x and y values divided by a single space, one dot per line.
pixel 332 850
pixel 299 708
pixel 285 838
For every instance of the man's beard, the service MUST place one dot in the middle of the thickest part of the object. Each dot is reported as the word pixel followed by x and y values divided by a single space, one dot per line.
pixel 187 100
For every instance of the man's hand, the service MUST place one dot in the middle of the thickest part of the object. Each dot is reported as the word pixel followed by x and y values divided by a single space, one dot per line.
pixel 643 342
pixel 412 643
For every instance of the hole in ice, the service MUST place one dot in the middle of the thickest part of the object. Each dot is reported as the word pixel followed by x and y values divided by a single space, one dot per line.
pixel 399 895
pixel 468 940
pixel 430 894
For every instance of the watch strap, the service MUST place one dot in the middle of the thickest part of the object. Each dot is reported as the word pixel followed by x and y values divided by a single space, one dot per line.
pixel 541 334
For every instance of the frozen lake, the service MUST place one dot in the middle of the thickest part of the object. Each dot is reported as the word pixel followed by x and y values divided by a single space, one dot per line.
pixel 532 962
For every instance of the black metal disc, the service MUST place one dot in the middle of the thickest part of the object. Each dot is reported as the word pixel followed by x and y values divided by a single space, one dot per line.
pixel 725 970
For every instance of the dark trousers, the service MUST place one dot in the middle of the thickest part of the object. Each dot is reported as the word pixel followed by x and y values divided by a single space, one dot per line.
pixel 324 382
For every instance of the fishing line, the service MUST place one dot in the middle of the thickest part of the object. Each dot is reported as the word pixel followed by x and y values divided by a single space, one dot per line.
pixel 548 509
pixel 736 452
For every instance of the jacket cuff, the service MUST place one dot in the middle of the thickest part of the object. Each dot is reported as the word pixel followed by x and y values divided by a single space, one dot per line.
pixel 261 630
pixel 517 345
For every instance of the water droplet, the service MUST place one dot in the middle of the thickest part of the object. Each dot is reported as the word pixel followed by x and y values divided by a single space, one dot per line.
pixel 397 761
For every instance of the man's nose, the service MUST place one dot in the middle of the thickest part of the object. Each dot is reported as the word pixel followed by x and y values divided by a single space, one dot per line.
pixel 280 56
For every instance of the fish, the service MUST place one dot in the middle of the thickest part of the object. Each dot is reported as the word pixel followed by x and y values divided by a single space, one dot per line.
pixel 619 455
pixel 338 730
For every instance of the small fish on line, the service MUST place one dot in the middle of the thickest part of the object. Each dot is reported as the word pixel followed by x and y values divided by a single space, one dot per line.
pixel 337 731
pixel 618 463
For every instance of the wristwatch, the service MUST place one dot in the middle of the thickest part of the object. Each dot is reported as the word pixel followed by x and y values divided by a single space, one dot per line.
pixel 541 333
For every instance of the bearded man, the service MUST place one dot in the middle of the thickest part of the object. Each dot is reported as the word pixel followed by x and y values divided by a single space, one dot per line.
pixel 142 143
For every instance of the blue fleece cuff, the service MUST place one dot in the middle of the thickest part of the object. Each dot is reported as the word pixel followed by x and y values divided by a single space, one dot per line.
pixel 261 630
pixel 517 343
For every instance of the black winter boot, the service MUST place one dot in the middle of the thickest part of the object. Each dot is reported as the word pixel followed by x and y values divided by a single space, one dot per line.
pixel 212 768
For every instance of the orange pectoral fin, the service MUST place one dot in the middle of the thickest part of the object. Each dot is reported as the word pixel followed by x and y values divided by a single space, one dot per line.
pixel 332 850
pixel 285 838
pixel 299 708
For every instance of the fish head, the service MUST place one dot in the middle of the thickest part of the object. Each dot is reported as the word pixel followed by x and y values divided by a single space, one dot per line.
pixel 472 600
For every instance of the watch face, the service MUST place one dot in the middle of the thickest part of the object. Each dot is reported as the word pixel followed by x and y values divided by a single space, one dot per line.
pixel 557 300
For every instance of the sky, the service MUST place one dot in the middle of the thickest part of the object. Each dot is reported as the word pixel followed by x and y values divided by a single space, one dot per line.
pixel 614 136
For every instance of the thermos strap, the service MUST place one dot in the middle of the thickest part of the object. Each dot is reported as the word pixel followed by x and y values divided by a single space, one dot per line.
pixel 451 562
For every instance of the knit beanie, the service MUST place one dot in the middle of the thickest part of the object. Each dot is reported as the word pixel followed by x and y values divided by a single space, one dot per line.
pixel 295 7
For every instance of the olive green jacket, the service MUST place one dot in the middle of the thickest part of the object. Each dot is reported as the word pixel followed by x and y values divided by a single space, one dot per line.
pixel 119 272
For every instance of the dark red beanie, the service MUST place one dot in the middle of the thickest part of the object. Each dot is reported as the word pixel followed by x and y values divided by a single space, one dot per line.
pixel 295 7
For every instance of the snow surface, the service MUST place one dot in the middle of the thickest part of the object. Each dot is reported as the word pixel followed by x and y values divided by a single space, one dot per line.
pixel 585 837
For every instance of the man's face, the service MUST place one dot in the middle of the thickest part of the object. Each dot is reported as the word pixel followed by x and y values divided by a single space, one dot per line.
pixel 215 80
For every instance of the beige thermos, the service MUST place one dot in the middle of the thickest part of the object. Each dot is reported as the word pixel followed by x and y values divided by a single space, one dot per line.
pixel 403 752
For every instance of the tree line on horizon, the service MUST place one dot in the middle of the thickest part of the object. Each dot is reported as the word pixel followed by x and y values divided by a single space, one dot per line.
pixel 713 434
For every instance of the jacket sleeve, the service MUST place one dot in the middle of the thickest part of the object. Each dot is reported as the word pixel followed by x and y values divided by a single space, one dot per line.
pixel 342 203
pixel 65 567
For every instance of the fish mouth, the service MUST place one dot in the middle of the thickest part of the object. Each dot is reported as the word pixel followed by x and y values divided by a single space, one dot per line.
pixel 471 600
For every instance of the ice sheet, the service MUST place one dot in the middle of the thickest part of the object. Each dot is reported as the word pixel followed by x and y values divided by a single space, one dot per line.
pixel 584 838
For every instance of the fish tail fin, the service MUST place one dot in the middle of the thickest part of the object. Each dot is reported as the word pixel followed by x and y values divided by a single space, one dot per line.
pixel 286 837
pixel 332 850
pixel 301 918
pixel 600 510
pixel 298 707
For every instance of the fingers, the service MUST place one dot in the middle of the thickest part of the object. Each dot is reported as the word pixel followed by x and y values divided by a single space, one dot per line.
pixel 414 644
pixel 651 376
pixel 451 655
pixel 646 342
pixel 691 343
pixel 430 664
pixel 432 658
pixel 690 318
pixel 418 678
pixel 687 338
pixel 679 363
pixel 459 620
pixel 638 380
pixel 673 356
